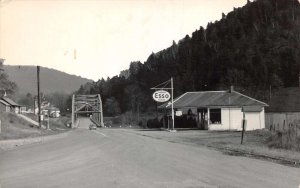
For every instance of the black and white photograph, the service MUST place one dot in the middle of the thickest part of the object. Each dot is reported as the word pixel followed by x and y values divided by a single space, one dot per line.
pixel 149 94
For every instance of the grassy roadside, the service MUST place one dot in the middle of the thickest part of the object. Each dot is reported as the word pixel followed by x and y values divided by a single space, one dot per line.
pixel 14 127
pixel 55 123
pixel 256 143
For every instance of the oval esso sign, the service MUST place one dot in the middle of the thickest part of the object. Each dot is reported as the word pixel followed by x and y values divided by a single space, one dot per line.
pixel 161 96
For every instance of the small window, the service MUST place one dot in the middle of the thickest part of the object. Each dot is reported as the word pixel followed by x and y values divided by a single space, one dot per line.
pixel 215 116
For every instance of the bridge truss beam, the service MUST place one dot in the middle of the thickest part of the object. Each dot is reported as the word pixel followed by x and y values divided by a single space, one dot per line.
pixel 87 104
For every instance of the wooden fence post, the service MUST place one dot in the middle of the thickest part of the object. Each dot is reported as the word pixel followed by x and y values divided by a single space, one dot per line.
pixel 244 124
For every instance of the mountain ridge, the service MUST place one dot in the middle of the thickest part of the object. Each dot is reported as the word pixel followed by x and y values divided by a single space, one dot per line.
pixel 51 80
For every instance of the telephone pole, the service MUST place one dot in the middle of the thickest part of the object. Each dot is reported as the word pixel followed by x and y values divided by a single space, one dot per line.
pixel 172 90
pixel 38 95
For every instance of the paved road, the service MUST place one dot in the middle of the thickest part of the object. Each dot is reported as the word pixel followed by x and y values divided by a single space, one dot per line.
pixel 125 158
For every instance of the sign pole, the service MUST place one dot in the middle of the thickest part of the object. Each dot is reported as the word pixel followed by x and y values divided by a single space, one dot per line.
pixel 162 96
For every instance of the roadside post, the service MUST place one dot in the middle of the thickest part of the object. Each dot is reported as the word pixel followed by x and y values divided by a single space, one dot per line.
pixel 42 120
pixel 244 124
pixel 0 125
pixel 48 121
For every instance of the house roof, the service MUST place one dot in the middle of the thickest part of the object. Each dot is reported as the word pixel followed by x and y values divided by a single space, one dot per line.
pixel 10 102
pixel 4 102
pixel 285 100
pixel 252 108
pixel 213 99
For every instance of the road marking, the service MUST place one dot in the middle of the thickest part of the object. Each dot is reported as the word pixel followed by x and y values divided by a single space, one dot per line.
pixel 100 133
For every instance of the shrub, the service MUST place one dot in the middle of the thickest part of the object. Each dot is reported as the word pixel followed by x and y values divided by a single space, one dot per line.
pixel 153 123
pixel 286 139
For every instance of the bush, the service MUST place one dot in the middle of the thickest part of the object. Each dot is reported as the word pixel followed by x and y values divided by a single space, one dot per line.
pixel 286 139
pixel 153 123
pixel 129 119
pixel 185 121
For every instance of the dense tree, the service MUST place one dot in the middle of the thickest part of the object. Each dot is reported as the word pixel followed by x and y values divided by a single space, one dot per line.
pixel 26 100
pixel 111 107
pixel 59 100
pixel 253 48
pixel 5 84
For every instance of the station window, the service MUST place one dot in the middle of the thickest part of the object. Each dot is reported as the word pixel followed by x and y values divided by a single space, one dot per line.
pixel 215 116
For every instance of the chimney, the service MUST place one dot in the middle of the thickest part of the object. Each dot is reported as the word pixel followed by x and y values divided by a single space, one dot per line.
pixel 231 89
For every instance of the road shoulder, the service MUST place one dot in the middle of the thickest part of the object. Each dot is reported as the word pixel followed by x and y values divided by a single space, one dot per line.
pixel 13 143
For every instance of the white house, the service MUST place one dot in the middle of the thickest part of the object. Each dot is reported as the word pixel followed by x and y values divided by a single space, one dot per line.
pixel 221 110
pixel 8 105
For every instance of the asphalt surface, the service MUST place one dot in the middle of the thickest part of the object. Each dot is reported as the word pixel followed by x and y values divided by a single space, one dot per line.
pixel 125 158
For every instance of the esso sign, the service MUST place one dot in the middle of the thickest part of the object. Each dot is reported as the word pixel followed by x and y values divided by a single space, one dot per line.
pixel 161 96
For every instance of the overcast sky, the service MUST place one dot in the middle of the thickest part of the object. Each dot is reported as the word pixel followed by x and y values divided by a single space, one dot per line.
pixel 96 39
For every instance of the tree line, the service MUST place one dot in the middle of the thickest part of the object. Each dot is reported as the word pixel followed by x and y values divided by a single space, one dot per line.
pixel 6 86
pixel 254 48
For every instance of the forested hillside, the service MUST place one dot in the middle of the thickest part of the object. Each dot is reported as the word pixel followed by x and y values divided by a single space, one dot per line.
pixel 51 80
pixel 253 48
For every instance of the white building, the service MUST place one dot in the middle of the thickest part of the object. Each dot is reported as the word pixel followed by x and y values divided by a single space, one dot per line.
pixel 220 110
pixel 8 105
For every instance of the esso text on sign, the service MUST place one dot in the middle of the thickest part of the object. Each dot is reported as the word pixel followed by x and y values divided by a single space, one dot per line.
pixel 161 96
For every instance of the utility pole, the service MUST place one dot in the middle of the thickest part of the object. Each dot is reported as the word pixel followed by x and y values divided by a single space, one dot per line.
pixel 172 88
pixel 293 1
pixel 138 113
pixel 270 93
pixel 38 90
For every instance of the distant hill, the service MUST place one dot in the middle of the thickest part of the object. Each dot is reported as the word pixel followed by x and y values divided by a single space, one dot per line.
pixel 51 80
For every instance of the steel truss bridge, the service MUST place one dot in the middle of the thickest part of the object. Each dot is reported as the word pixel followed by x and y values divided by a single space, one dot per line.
pixel 89 105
